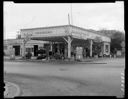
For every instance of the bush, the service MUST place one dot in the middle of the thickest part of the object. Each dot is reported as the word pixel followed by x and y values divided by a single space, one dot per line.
pixel 57 56
pixel 28 55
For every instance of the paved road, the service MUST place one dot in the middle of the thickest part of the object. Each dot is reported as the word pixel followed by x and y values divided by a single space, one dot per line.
pixel 63 79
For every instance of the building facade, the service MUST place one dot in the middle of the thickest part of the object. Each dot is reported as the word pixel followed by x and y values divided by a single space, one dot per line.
pixel 65 39
pixel 16 46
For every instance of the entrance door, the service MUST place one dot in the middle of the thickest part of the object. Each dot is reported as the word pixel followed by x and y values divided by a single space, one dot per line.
pixel 35 50
pixel 17 50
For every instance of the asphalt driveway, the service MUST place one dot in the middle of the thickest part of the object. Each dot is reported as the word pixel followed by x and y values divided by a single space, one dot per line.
pixel 67 79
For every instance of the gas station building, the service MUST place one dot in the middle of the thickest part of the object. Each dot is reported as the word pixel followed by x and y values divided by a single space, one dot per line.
pixel 66 39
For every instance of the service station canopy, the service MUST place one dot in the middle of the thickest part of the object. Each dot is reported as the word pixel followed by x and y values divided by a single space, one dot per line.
pixel 58 33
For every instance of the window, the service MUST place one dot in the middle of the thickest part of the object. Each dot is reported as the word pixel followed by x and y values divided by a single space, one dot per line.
pixel 28 49
pixel 107 48
pixel 32 49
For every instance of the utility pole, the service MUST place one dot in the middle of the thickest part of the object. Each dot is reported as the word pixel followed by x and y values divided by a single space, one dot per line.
pixel 68 19
pixel 71 14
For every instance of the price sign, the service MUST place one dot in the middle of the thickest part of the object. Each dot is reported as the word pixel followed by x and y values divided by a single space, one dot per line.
pixel 123 44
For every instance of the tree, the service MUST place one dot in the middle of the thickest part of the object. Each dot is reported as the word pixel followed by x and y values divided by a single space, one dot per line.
pixel 27 37
pixel 116 41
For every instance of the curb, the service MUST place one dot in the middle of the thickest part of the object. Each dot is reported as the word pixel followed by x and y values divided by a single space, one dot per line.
pixel 40 61
pixel 91 63
pixel 7 89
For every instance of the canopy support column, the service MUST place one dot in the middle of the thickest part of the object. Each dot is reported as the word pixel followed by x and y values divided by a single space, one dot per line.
pixel 91 42
pixel 69 41
pixel 23 50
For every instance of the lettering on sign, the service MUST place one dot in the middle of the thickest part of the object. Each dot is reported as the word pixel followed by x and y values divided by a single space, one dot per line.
pixel 98 39
pixel 80 34
pixel 46 32
pixel 76 34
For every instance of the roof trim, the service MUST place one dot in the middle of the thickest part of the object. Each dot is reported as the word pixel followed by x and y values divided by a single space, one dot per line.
pixel 45 27
pixel 12 39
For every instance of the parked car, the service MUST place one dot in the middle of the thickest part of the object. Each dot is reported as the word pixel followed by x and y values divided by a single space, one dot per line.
pixel 41 54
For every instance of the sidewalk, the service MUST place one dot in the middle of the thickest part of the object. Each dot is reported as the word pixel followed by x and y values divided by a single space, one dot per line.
pixel 8 57
pixel 11 90
pixel 66 61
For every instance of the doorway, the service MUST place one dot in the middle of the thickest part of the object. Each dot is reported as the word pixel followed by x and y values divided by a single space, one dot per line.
pixel 17 50
pixel 35 50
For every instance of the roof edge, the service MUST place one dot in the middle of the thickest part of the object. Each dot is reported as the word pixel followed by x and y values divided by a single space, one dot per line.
pixel 65 26
pixel 89 31
pixel 45 27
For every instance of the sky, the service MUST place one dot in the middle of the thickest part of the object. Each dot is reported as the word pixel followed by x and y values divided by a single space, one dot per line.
pixel 87 15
